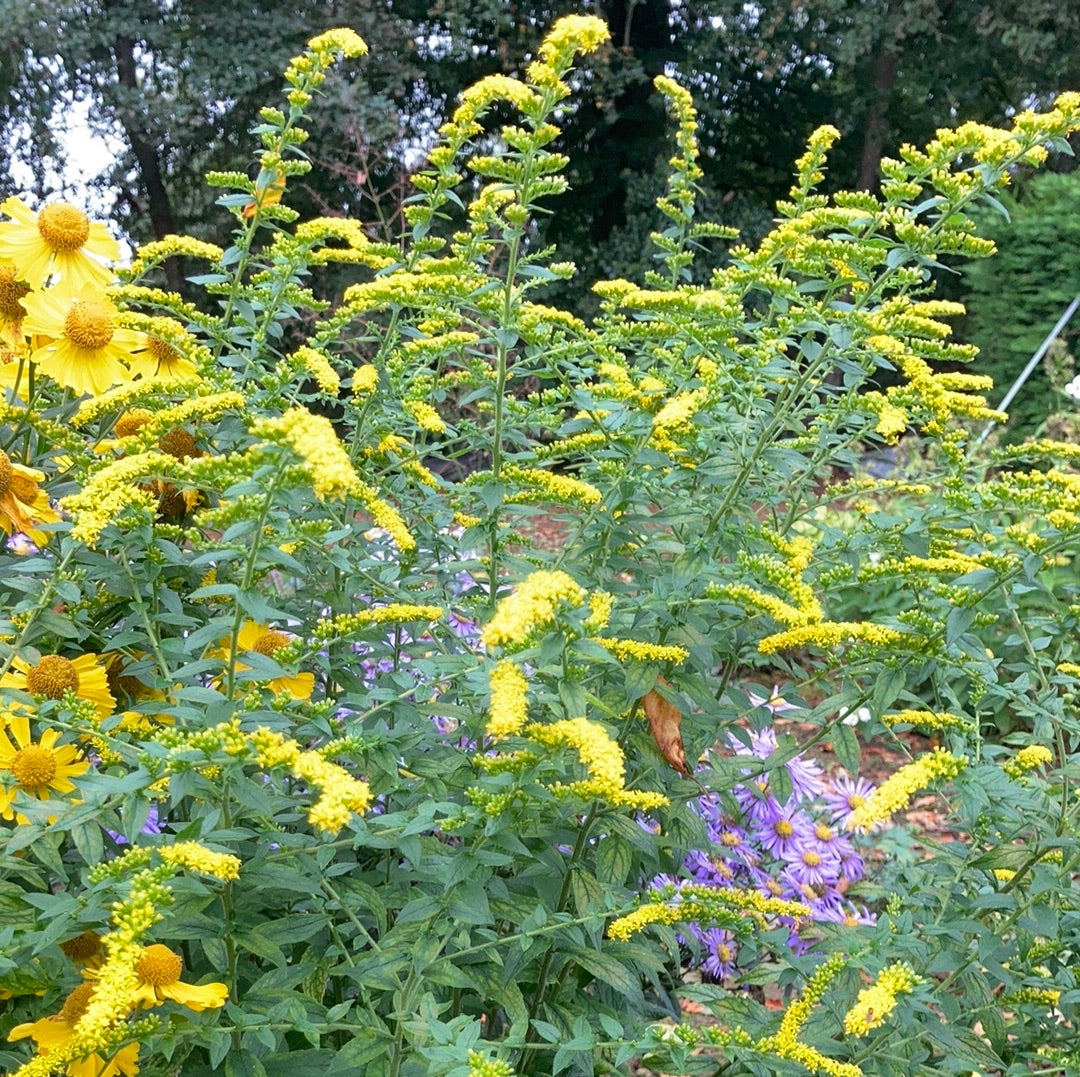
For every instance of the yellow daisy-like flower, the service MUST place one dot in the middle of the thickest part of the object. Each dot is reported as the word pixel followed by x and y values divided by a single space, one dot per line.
pixel 54 675
pixel 22 505
pixel 268 641
pixel 49 1033
pixel 161 360
pixel 86 350
pixel 158 970
pixel 59 238
pixel 34 769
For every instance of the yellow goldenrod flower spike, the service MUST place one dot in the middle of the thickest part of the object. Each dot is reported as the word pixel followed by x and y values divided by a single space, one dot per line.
pixel 877 1001
pixel 530 606
pixel 895 793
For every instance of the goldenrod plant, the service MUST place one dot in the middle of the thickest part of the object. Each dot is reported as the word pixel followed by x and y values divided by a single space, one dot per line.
pixel 314 761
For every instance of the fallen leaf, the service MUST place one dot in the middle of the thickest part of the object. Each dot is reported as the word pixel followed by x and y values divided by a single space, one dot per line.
pixel 664 719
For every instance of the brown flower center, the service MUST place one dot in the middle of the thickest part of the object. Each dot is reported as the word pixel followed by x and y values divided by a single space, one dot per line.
pixel 75 1004
pixel 269 643
pixel 89 324
pixel 162 352
pixel 131 422
pixel 179 443
pixel 82 947
pixel 11 291
pixel 26 490
pixel 52 677
pixel 6 472
pixel 33 767
pixel 64 227
pixel 158 966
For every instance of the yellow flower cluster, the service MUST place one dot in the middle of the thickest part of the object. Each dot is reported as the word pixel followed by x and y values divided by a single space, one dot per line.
pixel 111 491
pixel 318 366
pixel 829 634
pixel 196 857
pixel 151 254
pixel 392 613
pixel 676 415
pixel 895 793
pixel 509 700
pixel 626 650
pixel 545 485
pixel 385 516
pixel 314 440
pixel 1070 669
pixel 529 607
pixel 599 754
pixel 786 1042
pixel 877 1001
pixel 572 34
pixel 365 380
pixel 484 93
pixel 481 1066
pixel 426 416
pixel 1028 758
pixel 601 603
pixel 658 912
pixel 928 720
pixel 340 794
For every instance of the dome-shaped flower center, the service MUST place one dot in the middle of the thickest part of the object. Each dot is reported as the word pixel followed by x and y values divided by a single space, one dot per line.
pixel 783 829
pixel 6 472
pixel 26 490
pixel 63 226
pixel 811 859
pixel 855 801
pixel 82 947
pixel 11 291
pixel 773 887
pixel 75 1004
pixel 131 422
pixel 162 352
pixel 89 324
pixel 52 677
pixel 179 443
pixel 270 642
pixel 158 966
pixel 823 832
pixel 33 767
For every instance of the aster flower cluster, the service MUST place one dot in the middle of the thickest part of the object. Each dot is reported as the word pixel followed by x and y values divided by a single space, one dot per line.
pixel 797 850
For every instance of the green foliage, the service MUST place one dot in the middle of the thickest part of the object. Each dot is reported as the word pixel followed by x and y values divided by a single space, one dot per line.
pixel 407 803
pixel 1015 299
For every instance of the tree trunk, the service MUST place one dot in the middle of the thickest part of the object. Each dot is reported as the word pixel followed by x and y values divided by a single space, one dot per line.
pixel 886 69
pixel 147 159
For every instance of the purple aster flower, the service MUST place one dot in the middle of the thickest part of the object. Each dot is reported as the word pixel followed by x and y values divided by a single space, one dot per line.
pixel 721 948
pixel 782 829
pixel 807 865
pixel 846 795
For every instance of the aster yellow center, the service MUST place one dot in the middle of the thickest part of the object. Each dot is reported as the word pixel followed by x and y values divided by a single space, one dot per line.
pixel 52 677
pixel 823 832
pixel 783 829
pixel 730 839
pixel 158 966
pixel 89 324
pixel 11 291
pixel 82 947
pixel 6 472
pixel 855 801
pixel 269 643
pixel 63 227
pixel 33 767
pixel 723 951
pixel 131 422
pixel 75 1004
pixel 811 859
